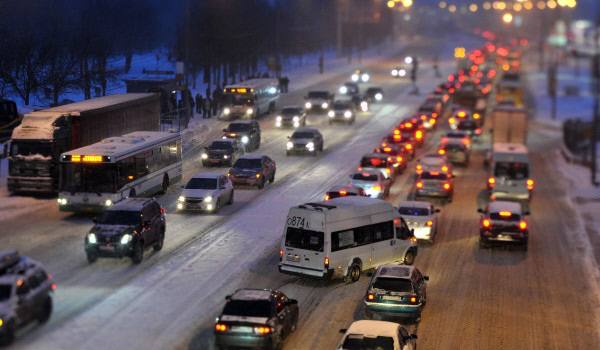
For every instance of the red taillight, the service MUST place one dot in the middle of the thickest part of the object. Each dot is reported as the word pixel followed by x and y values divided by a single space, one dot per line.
pixel 399 159
pixel 419 184
pixel 388 171
pixel 53 286
pixel 412 299
pixel 441 152
pixel 397 137
pixel 326 198
pixel 478 131
pixel 359 168
pixel 281 253
pixel 444 169
pixel 491 182
pixel 163 211
pixel 429 223
pixel 486 223
pixel 396 222
pixel 419 134
pixel 396 132
pixel 530 184
pixel 326 262
pixel 523 225
pixel 446 186
pixel 221 327
pixel 262 330
pixel 370 296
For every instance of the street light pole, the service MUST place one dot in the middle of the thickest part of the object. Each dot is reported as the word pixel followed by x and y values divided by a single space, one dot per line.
pixel 595 121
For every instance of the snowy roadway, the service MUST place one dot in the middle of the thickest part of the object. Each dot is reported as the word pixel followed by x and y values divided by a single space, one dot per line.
pixel 477 299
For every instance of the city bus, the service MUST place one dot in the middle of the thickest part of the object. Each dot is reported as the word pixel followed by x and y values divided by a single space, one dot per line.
pixel 136 164
pixel 249 99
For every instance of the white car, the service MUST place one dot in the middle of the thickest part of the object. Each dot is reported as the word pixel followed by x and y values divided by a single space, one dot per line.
pixel 373 182
pixel 456 135
pixel 206 192
pixel 421 217
pixel 367 334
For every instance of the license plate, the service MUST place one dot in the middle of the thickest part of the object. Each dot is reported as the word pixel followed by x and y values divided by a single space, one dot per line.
pixel 504 237
pixel 107 248
pixel 241 329
pixel 392 298
pixel 293 258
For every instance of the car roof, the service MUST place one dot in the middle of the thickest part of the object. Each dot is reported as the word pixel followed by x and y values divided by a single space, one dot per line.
pixel 368 171
pixel 509 148
pixel 306 129
pixel 373 88
pixel 252 294
pixel 243 122
pixel 414 204
pixel 204 175
pixel 131 204
pixel 374 328
pixel 498 206
pixel 252 156
pixel 395 271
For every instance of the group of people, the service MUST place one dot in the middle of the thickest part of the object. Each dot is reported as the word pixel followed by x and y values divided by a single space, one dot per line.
pixel 209 106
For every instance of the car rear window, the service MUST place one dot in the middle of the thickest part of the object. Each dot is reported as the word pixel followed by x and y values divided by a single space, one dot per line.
pixel 467 125
pixel 304 239
pixel 512 170
pixel 393 284
pixel 376 162
pixel 413 211
pixel 5 290
pixel 318 94
pixel 248 308
pixel 365 177
pixel 360 342
pixel 434 176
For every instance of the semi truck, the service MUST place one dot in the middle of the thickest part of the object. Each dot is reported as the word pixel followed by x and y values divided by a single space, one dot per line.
pixel 509 124
pixel 43 135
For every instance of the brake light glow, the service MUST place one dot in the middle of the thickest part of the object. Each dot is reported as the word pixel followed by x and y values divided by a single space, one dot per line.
pixel 343 193
pixel 376 188
pixel 163 211
pixel 419 134
pixel 420 184
pixel 399 159
pixel 429 223
pixel 408 146
pixel 413 299
pixel 505 213
pixel 221 327
pixel 452 121
pixel 523 225
pixel 486 223
pixel 359 168
pixel 388 171
pixel 445 169
pixel 262 330
pixel 370 297
pixel 397 137
pixel 396 132
pixel 461 114
pixel 387 149
pixel 442 152
pixel 281 252
pixel 530 184
pixel 491 182
pixel 446 186
pixel 326 262
pixel 476 116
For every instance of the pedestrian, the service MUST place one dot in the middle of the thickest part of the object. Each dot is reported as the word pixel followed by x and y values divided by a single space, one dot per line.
pixel 206 110
pixel 436 67
pixel 321 64
pixel 207 91
pixel 286 83
pixel 199 103
pixel 213 107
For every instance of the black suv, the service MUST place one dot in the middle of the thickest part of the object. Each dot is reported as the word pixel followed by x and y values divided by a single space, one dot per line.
pixel 126 230
pixel 222 152
pixel 25 294
pixel 247 132
pixel 253 171
pixel 256 318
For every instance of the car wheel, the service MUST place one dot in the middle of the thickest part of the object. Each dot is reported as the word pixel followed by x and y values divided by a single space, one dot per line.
pixel 261 184
pixel 46 311
pixel 230 202
pixel 138 252
pixel 91 257
pixel 272 179
pixel 217 206
pixel 160 242
pixel 132 193
pixel 354 272
pixel 409 258
pixel 9 334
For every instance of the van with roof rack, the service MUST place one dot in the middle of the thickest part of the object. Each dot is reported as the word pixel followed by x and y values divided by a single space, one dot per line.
pixel 343 237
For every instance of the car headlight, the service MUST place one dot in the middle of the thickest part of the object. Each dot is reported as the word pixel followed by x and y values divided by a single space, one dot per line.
pixel 249 111
pixel 378 96
pixel 62 201
pixel 310 145
pixel 408 60
pixel 126 238
pixel 204 155
pixel 365 77
pixel 364 106
pixel 402 72
pixel 347 114
pixel 108 203
pixel 208 199
pixel 343 90
pixel 324 105
pixel 181 199
pixel 296 119
pixel 354 77
pixel 394 72
pixel 92 238
pixel 278 118
pixel 245 139
pixel 226 111
pixel 296 124
pixel 289 145
pixel 331 114
pixel 225 156
pixel 308 105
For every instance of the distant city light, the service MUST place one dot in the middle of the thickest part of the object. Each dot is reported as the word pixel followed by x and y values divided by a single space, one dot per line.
pixel 487 5
pixel 452 8
pixel 507 17
pixel 391 3
pixel 473 7
pixel 443 4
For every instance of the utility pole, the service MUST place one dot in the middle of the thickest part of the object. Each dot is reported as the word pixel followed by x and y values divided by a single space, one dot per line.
pixel 595 121
pixel 552 87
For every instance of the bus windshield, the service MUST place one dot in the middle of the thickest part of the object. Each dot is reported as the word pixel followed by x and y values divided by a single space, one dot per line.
pixel 304 239
pixel 93 178
pixel 238 100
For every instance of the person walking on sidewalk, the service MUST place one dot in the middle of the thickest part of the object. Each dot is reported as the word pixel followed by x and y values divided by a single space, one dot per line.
pixel 206 109
pixel 199 103
pixel 213 106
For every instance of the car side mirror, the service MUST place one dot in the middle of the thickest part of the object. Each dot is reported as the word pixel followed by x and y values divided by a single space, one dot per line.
pixel 225 130
pixel 426 278
pixel 291 302
pixel 228 297
pixel 343 330
pixel 479 210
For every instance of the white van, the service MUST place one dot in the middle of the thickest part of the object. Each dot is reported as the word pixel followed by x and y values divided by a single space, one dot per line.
pixel 510 177
pixel 343 237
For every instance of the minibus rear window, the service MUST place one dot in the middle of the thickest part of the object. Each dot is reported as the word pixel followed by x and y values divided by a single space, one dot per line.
pixel 304 239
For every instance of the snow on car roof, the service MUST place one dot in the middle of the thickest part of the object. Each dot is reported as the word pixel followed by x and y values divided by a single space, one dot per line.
pixel 119 146
pixel 130 204
pixel 414 204
pixel 395 271
pixel 252 294
pixel 206 175
pixel 373 328
pixel 498 206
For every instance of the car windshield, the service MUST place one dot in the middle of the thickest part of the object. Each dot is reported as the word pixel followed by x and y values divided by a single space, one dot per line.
pixel 221 145
pixel 291 111
pixel 304 239
pixel 434 176
pixel 373 162
pixel 455 135
pixel 454 147
pixel 413 211
pixel 373 91
pixel 341 105
pixel 360 342
pixel 239 127
pixel 364 177
pixel 245 163
pixel 393 284
pixel 120 217
pixel 467 125
pixel 199 183
pixel 318 95
pixel 5 290
pixel 302 135
pixel 512 170
pixel 248 308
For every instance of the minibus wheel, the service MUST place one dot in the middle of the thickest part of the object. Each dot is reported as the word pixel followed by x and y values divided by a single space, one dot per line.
pixel 354 272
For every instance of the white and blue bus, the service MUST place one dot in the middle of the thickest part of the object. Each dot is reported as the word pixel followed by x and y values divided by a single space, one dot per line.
pixel 249 99
pixel 136 164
